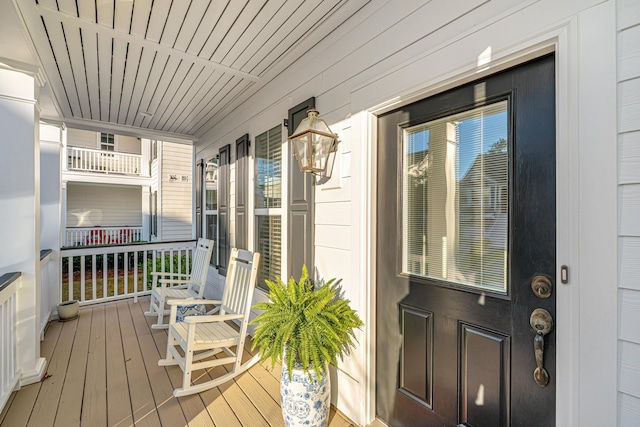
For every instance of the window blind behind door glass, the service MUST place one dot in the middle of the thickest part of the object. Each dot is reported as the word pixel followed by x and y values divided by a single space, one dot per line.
pixel 455 198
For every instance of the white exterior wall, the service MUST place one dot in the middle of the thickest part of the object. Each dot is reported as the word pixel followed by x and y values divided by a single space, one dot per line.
pixel 175 206
pixel 128 144
pixel 81 138
pixel 89 139
pixel 392 53
pixel 107 206
pixel 629 206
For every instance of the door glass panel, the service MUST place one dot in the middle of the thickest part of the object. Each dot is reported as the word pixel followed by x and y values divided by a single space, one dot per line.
pixel 455 198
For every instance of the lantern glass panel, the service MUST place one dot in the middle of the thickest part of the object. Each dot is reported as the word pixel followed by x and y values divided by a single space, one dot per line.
pixel 301 148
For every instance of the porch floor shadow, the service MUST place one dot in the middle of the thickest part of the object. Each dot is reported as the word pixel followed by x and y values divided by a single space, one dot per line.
pixel 103 371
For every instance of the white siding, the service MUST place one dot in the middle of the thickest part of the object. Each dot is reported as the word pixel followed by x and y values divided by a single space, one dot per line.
pixel 390 52
pixel 106 206
pixel 629 211
pixel 175 205
pixel 89 139
pixel 129 144
pixel 81 138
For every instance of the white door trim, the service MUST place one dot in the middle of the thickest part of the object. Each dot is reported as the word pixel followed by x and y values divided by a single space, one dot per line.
pixel 577 403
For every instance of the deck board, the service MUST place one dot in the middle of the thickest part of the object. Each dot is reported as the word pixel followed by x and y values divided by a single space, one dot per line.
pixel 51 388
pixel 168 407
pixel 70 407
pixel 104 371
pixel 142 403
pixel 118 399
pixel 94 403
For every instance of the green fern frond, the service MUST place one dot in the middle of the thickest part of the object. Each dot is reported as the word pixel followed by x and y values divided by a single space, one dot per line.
pixel 303 325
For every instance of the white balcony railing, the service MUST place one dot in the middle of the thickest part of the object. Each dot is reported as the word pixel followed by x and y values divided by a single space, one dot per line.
pixel 92 236
pixel 108 273
pixel 9 373
pixel 100 161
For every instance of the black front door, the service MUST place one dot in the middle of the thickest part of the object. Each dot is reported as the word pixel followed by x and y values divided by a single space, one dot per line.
pixel 467 253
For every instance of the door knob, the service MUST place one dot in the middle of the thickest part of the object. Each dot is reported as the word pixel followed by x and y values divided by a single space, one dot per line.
pixel 542 323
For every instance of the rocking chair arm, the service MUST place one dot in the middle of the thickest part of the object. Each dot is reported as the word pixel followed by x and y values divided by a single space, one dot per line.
pixel 212 318
pixel 179 281
pixel 191 301
pixel 168 273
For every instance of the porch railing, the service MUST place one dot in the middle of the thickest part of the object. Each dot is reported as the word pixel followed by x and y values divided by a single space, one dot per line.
pixel 45 290
pixel 92 236
pixel 100 161
pixel 108 273
pixel 9 373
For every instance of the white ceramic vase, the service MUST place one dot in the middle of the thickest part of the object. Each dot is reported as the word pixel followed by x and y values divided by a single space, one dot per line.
pixel 305 402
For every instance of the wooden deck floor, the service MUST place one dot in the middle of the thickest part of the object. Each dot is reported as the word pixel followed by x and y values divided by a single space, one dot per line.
pixel 103 371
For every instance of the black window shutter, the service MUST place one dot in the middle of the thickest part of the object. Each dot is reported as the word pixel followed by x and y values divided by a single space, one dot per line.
pixel 301 199
pixel 242 157
pixel 224 185
pixel 199 186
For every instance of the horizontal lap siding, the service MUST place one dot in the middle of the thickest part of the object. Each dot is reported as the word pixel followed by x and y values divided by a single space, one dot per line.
pixel 88 139
pixel 348 71
pixel 176 208
pixel 629 211
pixel 106 206
pixel 82 138
pixel 129 144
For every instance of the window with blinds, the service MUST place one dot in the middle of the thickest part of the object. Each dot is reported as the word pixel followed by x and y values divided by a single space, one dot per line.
pixel 211 205
pixel 455 198
pixel 268 204
pixel 268 167
pixel 269 244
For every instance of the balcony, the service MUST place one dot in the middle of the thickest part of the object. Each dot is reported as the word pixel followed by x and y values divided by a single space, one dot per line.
pixel 105 162
pixel 103 371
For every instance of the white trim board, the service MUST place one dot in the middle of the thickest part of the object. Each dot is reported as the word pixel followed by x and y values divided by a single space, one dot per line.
pixel 587 307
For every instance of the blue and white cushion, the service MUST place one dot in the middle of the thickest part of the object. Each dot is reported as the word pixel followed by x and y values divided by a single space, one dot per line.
pixel 190 310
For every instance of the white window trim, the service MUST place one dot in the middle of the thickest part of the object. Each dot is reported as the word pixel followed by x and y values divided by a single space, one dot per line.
pixel 99 142
pixel 282 211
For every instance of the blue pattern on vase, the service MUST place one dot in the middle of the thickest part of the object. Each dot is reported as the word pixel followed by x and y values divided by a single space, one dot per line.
pixel 305 402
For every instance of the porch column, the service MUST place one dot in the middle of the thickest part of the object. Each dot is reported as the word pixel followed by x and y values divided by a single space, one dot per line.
pixel 50 207
pixel 146 203
pixel 20 210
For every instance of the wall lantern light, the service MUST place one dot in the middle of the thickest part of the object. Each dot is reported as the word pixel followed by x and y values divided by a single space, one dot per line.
pixel 313 142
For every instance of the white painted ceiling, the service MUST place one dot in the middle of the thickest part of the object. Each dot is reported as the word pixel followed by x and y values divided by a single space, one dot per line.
pixel 188 63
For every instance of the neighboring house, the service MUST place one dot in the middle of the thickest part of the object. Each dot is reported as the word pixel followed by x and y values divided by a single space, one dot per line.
pixel 437 348
pixel 119 189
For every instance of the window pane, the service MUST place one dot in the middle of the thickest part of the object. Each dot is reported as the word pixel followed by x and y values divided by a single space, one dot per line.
pixel 212 233
pixel 455 198
pixel 269 169
pixel 107 141
pixel 269 236
pixel 211 184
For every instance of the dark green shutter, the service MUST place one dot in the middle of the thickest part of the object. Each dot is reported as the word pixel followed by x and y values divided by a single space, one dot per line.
pixel 242 190
pixel 301 199
pixel 224 186
pixel 199 186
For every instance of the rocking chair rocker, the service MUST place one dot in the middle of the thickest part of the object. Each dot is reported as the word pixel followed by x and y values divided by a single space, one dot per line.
pixel 178 285
pixel 203 336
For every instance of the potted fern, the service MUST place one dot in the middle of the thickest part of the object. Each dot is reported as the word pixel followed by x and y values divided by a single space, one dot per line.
pixel 305 327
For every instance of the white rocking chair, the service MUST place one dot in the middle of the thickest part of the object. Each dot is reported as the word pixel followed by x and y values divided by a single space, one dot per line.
pixel 178 285
pixel 201 337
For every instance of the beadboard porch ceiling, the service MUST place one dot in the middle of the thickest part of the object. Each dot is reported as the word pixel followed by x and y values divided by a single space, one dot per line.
pixel 171 66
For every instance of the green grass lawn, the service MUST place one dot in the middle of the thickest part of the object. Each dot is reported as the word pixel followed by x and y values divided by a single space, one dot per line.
pixel 100 288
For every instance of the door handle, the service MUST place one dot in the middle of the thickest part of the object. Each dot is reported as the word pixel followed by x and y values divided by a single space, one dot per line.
pixel 542 323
